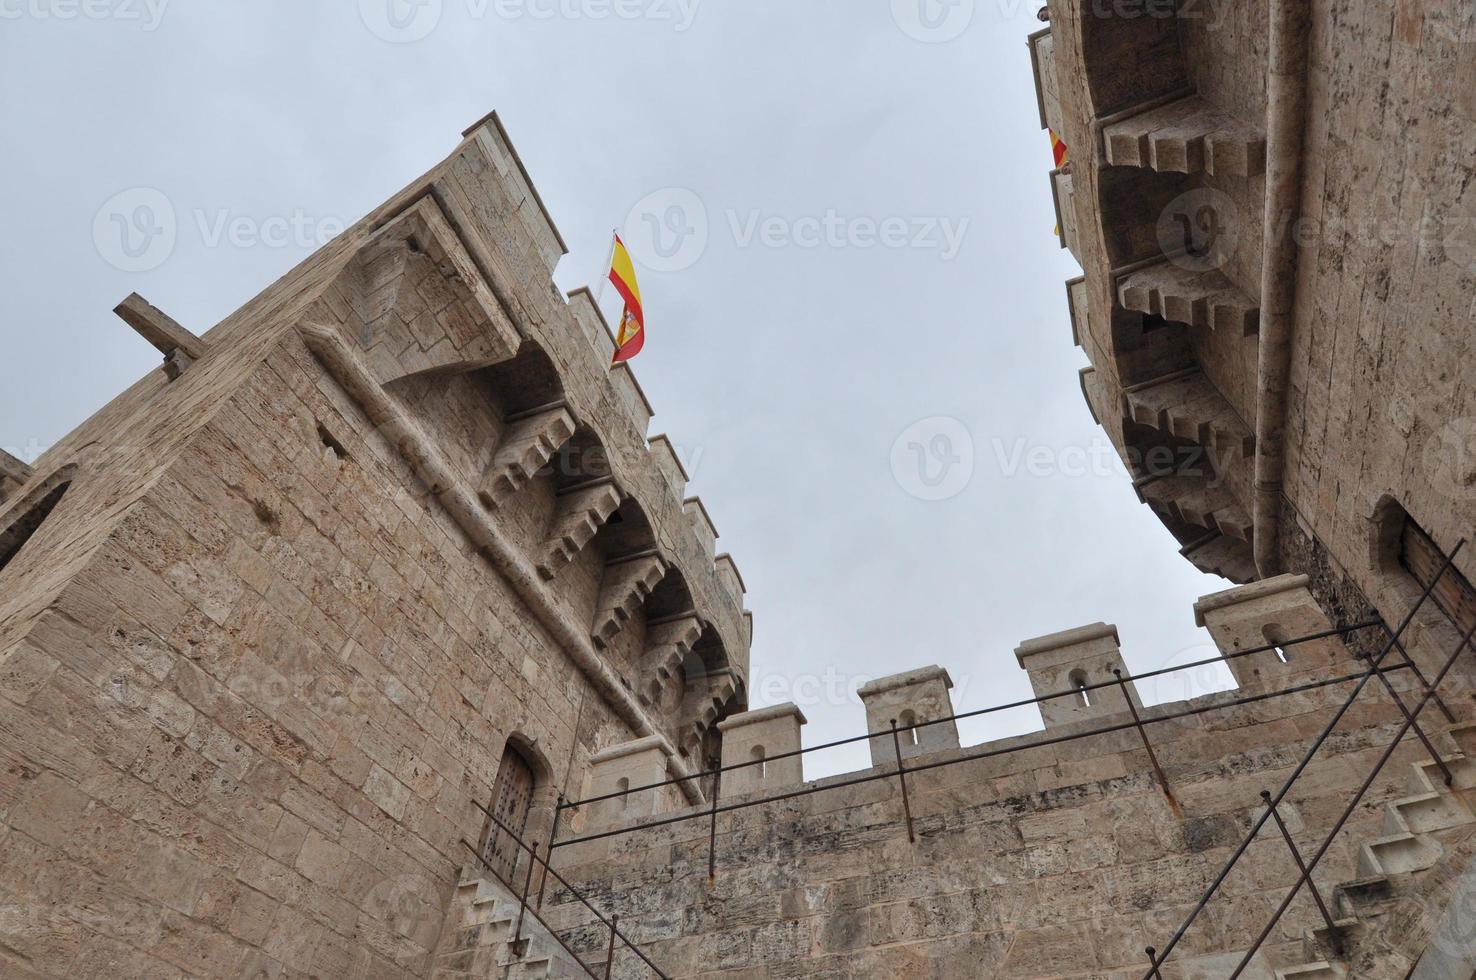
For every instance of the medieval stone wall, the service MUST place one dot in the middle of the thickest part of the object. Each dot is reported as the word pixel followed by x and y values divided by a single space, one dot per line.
pixel 261 663
pixel 1055 861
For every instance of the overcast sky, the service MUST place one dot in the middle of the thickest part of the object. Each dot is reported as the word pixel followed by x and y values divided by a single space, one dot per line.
pixel 841 208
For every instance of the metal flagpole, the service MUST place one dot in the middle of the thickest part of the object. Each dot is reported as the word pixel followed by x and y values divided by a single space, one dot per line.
pixel 609 262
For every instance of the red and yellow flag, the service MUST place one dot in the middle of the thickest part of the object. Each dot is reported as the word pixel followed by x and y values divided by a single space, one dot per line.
pixel 631 336
pixel 1063 155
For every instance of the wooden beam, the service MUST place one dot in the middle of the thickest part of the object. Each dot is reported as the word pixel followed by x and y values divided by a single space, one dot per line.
pixel 159 329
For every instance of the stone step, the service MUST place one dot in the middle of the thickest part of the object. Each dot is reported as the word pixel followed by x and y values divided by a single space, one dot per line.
pixel 1313 971
pixel 1426 814
pixel 1363 897
pixel 1398 854
pixel 1188 136
pixel 1465 739
pixel 1179 292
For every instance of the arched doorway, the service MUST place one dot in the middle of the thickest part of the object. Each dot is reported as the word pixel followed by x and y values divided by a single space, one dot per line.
pixel 512 801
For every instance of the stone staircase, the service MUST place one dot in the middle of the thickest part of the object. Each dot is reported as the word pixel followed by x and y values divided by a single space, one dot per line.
pixel 1415 832
pixel 483 947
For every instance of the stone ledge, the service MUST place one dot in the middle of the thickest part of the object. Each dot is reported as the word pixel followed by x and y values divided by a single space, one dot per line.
pixel 919 676
pixel 1065 638
pixel 1247 593
pixel 762 715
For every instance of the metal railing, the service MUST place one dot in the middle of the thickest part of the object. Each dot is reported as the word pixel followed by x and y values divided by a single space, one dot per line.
pixel 1274 802
pixel 1138 721
pixel 524 909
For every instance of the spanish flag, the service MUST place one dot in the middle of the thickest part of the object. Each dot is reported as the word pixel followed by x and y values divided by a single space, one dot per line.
pixel 1063 155
pixel 631 336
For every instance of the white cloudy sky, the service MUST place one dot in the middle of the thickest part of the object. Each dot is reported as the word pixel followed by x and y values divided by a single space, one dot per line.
pixel 786 368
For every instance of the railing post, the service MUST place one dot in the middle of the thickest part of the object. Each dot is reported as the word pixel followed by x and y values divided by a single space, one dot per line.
pixel 717 785
pixel 523 907
pixel 1153 959
pixel 1127 696
pixel 552 836
pixel 610 953
pixel 902 778
pixel 1332 929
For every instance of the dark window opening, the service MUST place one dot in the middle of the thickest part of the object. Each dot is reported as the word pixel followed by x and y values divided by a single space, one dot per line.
pixel 14 537
pixel 330 442
pixel 1275 638
pixel 1079 683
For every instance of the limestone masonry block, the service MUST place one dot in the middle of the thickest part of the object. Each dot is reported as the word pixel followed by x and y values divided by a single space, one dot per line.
pixel 670 464
pixel 1063 663
pixel 623 769
pixel 592 323
pixel 728 574
pixel 634 398
pixel 755 737
pixel 1269 611
pixel 909 699
pixel 702 523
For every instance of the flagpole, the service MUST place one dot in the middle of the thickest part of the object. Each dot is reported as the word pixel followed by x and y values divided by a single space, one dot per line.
pixel 609 261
